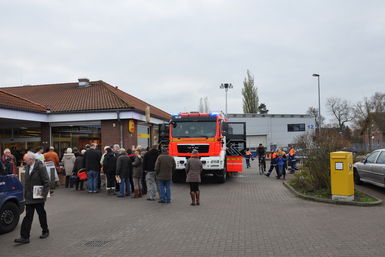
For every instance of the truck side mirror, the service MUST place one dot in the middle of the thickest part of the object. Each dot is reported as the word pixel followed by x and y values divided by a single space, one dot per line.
pixel 225 129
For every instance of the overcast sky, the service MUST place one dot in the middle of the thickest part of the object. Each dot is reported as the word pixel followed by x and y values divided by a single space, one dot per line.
pixel 172 52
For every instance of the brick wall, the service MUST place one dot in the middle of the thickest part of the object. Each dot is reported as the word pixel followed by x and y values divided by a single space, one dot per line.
pixel 111 133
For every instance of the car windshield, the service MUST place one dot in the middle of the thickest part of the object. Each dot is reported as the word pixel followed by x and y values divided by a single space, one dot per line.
pixel 194 129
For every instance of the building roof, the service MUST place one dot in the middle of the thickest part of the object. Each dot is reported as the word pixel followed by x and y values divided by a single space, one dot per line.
pixel 11 101
pixel 69 97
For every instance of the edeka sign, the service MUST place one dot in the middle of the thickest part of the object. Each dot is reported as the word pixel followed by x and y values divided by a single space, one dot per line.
pixel 131 126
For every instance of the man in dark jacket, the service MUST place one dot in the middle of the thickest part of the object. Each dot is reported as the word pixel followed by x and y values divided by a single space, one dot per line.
pixel 36 189
pixel 149 170
pixel 124 172
pixel 92 164
pixel 109 168
pixel 164 167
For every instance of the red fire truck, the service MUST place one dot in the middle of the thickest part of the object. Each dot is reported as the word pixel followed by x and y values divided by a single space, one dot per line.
pixel 220 143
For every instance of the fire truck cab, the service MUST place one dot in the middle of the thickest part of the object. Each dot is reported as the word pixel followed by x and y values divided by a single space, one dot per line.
pixel 219 142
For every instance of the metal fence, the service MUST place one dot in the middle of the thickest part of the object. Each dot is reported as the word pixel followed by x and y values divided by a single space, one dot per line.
pixel 364 147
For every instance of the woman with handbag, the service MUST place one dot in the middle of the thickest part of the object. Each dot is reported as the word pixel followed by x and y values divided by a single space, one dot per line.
pixel 79 168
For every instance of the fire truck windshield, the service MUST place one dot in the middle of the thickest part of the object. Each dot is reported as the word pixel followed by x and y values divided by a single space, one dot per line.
pixel 195 129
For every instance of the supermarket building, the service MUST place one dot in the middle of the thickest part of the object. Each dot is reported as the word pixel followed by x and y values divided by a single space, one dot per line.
pixel 75 114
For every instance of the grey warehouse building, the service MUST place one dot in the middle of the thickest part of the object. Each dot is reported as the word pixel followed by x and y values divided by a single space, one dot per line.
pixel 273 130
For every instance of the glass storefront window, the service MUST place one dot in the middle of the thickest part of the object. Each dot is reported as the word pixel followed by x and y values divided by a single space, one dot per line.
pixel 75 136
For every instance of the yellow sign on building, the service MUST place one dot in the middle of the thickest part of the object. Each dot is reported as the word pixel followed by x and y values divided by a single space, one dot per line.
pixel 131 126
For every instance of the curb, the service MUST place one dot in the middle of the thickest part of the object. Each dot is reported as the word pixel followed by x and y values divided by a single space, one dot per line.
pixel 330 201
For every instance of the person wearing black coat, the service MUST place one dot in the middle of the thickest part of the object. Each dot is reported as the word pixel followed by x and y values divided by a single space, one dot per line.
pixel 132 158
pixel 149 170
pixel 35 175
pixel 124 172
pixel 79 164
pixel 92 164
pixel 109 168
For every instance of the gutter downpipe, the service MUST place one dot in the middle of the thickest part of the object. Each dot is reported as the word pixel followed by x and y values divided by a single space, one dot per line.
pixel 121 128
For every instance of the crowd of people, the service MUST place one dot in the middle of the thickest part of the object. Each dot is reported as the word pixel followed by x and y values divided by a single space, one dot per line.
pixel 126 172
pixel 280 161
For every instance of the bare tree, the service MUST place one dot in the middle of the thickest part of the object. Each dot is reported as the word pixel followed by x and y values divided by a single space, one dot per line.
pixel 341 110
pixel 201 107
pixel 312 111
pixel 250 95
pixel 204 105
pixel 365 113
pixel 363 118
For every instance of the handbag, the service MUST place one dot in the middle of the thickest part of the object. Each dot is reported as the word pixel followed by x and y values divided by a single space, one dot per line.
pixel 82 174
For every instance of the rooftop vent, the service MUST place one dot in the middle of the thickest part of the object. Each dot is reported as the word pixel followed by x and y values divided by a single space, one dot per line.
pixel 84 82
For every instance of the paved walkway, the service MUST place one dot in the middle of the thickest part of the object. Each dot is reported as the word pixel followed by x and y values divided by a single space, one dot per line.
pixel 251 215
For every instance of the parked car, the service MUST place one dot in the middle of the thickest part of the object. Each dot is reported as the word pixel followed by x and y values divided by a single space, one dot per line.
pixel 12 202
pixel 371 169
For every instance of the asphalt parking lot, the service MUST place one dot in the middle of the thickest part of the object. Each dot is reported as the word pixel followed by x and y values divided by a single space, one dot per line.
pixel 250 215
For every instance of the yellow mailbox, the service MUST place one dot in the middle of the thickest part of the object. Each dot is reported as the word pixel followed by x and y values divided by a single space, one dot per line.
pixel 342 181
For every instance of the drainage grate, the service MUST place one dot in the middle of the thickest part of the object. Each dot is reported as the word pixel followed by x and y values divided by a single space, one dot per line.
pixel 96 243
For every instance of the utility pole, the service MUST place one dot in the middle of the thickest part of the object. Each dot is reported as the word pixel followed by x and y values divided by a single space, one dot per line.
pixel 319 100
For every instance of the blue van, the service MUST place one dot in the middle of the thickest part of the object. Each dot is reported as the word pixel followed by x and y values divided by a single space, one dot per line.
pixel 12 202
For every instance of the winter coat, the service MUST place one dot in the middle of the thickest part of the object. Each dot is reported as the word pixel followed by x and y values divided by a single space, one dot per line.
pixel 51 156
pixel 79 164
pixel 124 166
pixel 9 163
pixel 109 163
pixel 261 151
pixel 150 159
pixel 281 160
pixel 193 170
pixel 92 160
pixel 138 167
pixel 164 167
pixel 37 177
pixel 69 162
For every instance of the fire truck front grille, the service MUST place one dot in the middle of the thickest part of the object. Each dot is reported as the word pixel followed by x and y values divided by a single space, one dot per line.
pixel 190 148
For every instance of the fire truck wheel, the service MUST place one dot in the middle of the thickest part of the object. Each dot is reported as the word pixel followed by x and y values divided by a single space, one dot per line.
pixel 222 178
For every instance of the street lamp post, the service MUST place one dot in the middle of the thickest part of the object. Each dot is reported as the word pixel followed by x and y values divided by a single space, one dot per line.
pixel 319 100
pixel 226 86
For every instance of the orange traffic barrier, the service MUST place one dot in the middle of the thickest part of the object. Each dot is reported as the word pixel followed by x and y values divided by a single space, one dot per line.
pixel 234 163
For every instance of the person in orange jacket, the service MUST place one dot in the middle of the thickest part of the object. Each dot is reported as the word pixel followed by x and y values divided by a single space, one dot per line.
pixel 292 160
pixel 248 155
pixel 51 156
pixel 281 164
pixel 273 163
